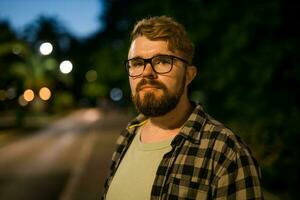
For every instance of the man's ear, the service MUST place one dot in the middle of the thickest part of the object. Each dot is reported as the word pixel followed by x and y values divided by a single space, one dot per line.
pixel 191 72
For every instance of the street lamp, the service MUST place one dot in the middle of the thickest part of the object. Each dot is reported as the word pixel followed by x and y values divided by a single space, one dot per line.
pixel 45 93
pixel 46 48
pixel 28 95
pixel 66 67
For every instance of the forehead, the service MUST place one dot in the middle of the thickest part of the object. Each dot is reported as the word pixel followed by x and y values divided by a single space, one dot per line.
pixel 145 48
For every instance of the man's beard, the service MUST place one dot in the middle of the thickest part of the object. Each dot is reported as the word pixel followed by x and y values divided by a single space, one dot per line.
pixel 152 106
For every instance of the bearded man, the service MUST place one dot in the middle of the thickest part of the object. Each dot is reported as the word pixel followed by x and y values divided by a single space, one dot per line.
pixel 173 149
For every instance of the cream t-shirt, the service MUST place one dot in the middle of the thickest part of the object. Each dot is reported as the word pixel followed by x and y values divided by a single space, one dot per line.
pixel 135 175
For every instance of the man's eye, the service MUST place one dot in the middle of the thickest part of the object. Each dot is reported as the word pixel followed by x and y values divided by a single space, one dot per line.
pixel 162 60
pixel 136 63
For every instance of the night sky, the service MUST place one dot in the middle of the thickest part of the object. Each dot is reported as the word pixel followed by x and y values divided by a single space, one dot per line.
pixel 81 18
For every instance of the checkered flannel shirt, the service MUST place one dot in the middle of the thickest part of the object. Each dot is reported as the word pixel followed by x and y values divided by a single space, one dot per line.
pixel 207 161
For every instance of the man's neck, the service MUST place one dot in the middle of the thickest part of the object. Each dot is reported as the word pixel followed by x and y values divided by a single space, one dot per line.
pixel 175 118
pixel 168 125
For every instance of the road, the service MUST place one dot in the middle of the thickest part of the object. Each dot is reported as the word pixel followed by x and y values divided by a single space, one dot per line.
pixel 69 159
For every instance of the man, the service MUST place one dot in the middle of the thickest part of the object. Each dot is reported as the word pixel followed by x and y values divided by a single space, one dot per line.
pixel 173 149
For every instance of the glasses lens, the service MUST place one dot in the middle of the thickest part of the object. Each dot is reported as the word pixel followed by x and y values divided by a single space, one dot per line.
pixel 135 66
pixel 162 63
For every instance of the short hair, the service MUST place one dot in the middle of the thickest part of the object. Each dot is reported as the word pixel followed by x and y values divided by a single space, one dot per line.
pixel 166 29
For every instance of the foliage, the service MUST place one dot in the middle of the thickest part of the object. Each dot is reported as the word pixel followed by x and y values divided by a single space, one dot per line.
pixel 23 67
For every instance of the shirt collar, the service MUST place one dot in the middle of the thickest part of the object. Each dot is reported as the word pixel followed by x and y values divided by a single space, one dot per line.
pixel 193 126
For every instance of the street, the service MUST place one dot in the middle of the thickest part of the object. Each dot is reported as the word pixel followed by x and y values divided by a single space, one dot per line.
pixel 68 159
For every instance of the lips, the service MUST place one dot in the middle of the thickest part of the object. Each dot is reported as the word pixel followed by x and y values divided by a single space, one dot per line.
pixel 148 87
pixel 149 84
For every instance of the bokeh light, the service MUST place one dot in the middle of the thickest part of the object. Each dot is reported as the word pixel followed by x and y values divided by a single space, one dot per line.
pixel 11 93
pixel 66 67
pixel 28 95
pixel 22 101
pixel 2 95
pixel 46 48
pixel 91 75
pixel 16 49
pixel 45 93
pixel 116 94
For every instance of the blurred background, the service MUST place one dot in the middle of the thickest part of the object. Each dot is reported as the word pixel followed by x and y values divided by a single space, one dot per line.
pixel 64 93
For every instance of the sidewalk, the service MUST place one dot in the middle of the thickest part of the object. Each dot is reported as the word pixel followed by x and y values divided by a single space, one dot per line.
pixel 87 179
pixel 68 159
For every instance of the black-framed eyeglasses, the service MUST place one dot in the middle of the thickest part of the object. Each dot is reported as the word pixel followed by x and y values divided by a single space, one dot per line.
pixel 160 64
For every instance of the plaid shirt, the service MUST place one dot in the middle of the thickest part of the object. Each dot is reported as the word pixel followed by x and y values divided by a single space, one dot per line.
pixel 207 161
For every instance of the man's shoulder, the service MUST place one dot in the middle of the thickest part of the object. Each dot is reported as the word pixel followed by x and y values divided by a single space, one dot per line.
pixel 220 146
pixel 222 138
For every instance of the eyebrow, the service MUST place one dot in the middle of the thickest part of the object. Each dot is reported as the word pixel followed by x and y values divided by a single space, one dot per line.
pixel 158 54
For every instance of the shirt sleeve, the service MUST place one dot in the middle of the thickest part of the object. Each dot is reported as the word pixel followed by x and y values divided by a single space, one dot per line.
pixel 240 179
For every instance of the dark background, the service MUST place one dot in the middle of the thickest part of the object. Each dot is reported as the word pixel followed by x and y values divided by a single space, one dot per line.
pixel 248 71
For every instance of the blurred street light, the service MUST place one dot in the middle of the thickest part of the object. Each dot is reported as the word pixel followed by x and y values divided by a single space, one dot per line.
pixel 45 93
pixel 116 94
pixel 91 75
pixel 66 67
pixel 46 48
pixel 28 95
pixel 11 93
pixel 16 49
pixel 2 95
pixel 22 101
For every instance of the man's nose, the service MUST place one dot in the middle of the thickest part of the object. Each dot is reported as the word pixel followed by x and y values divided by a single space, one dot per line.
pixel 149 71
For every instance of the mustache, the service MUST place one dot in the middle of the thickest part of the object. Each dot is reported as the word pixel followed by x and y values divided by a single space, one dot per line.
pixel 151 82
